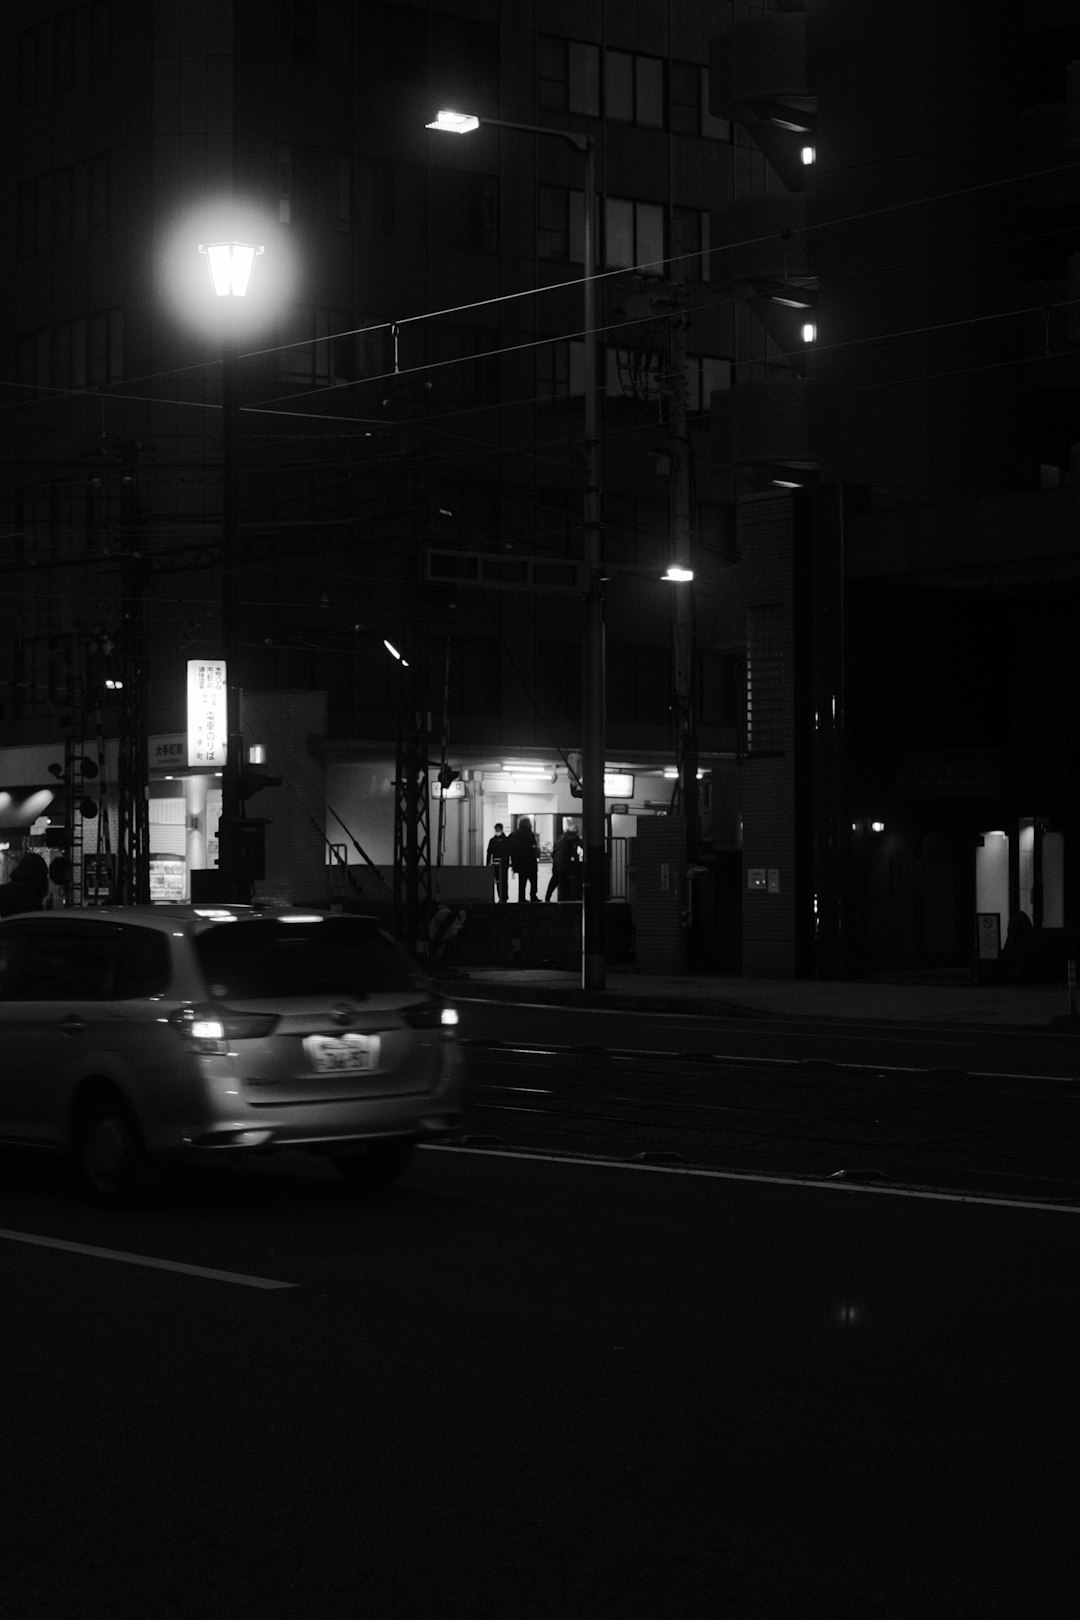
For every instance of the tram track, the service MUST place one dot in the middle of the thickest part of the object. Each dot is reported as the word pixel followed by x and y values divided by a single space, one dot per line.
pixel 919 1126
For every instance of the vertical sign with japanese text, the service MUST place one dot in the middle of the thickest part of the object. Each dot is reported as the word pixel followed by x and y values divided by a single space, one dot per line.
pixel 207 713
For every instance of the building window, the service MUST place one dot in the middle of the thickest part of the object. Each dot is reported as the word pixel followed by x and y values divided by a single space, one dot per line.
pixel 314 187
pixel 404 201
pixel 317 33
pixel 73 354
pixel 634 236
pixel 567 76
pixel 464 210
pixel 450 57
pixel 634 88
pixel 330 353
pixel 465 362
pixel 690 242
pixel 67 205
pixel 560 371
pixel 688 103
pixel 560 218
pixel 764 680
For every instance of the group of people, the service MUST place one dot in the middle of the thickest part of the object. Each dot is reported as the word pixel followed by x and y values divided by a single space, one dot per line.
pixel 519 852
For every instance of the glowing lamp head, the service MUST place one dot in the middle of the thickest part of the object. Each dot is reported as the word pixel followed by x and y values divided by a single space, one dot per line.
pixel 454 123
pixel 230 264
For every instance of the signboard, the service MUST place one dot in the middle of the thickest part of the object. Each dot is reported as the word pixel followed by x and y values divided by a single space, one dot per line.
pixel 167 753
pixel 988 936
pixel 207 713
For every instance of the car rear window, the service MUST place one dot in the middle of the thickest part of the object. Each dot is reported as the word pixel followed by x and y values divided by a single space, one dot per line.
pixel 334 956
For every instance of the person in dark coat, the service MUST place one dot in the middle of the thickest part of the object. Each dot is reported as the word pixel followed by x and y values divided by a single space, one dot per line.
pixel 525 857
pixel 26 888
pixel 565 858
pixel 498 856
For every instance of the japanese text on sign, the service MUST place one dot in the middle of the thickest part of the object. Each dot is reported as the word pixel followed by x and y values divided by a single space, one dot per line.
pixel 207 712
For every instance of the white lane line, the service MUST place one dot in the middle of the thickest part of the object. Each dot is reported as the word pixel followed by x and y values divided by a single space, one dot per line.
pixel 763 1180
pixel 237 1277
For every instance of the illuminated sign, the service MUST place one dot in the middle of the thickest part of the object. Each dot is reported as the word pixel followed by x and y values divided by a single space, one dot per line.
pixel 207 713
pixel 617 785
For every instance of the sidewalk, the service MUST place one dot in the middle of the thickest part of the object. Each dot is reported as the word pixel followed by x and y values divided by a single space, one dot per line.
pixel 1014 1006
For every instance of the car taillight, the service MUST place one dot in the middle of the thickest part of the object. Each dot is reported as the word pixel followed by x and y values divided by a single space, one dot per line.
pixel 432 1015
pixel 210 1029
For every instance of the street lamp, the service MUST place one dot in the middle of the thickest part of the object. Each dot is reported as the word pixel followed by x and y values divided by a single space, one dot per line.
pixel 231 264
pixel 594 875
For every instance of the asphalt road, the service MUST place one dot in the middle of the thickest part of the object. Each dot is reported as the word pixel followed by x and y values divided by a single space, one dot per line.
pixel 951 1109
pixel 519 1387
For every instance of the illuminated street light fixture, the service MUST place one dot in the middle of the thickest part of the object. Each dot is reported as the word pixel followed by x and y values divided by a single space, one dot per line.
pixel 678 575
pixel 230 265
pixel 594 873
pixel 454 123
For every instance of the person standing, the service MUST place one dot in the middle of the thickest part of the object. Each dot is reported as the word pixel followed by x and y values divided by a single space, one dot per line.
pixel 26 888
pixel 564 861
pixel 498 856
pixel 525 858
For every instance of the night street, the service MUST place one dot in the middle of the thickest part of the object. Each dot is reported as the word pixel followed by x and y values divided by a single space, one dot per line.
pixel 521 1387
pixel 990 1111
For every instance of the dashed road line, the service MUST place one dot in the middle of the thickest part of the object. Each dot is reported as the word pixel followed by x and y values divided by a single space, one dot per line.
pixel 89 1249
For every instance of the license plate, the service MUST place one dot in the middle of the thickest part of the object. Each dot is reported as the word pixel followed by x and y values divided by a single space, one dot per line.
pixel 342 1054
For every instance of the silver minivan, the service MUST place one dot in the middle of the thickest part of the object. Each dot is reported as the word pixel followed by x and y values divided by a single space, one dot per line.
pixel 132 1035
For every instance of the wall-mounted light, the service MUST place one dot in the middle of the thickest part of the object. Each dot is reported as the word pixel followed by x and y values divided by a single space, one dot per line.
pixel 808 155
pixel 809 332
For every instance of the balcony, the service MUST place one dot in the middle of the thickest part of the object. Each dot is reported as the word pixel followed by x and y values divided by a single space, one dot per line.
pixel 759 73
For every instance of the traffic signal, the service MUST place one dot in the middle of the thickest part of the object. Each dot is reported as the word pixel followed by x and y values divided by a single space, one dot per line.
pixel 447 775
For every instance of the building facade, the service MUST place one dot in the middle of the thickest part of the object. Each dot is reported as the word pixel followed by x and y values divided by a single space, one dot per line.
pixel 837 293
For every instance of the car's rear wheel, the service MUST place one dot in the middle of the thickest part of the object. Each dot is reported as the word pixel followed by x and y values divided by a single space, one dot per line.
pixel 376 1163
pixel 114 1170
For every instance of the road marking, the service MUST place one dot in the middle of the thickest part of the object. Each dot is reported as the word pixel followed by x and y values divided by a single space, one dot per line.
pixel 750 1175
pixel 237 1277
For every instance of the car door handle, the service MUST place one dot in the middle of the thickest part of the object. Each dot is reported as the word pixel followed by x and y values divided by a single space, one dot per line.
pixel 72 1026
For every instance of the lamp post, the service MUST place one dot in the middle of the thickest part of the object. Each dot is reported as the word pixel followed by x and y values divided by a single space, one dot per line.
pixel 594 875
pixel 231 265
